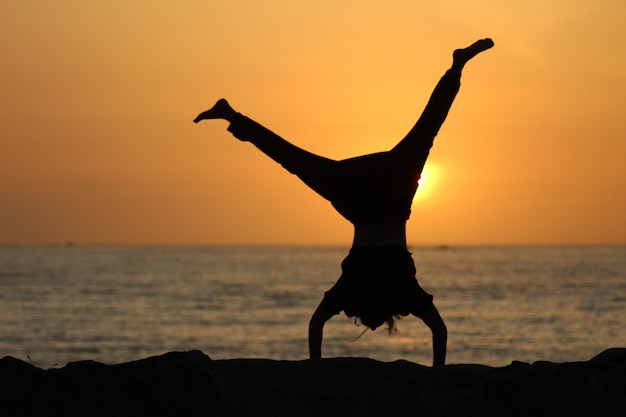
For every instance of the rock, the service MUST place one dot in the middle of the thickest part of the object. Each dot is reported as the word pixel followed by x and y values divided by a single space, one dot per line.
pixel 191 384
pixel 172 384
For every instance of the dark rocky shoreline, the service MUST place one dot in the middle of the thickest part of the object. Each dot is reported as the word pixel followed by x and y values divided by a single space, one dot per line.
pixel 191 384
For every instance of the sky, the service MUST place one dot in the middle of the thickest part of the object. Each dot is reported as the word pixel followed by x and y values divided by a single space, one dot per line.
pixel 97 143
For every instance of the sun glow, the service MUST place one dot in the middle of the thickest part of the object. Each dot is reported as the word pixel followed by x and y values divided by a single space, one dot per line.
pixel 116 159
pixel 427 182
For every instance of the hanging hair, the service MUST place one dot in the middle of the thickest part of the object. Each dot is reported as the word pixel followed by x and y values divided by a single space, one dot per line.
pixel 372 306
pixel 371 325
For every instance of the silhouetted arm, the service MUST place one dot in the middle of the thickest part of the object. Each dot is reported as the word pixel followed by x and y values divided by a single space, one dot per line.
pixel 316 329
pixel 440 335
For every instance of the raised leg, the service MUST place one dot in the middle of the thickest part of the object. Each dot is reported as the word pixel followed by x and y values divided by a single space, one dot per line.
pixel 415 146
pixel 221 110
pixel 317 172
pixel 462 56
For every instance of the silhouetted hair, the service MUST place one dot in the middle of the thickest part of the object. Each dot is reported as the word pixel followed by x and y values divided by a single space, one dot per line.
pixel 372 306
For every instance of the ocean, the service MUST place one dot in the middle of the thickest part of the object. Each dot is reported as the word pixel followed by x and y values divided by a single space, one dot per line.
pixel 112 304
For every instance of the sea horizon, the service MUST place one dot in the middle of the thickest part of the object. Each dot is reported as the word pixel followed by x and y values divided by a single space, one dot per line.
pixel 114 303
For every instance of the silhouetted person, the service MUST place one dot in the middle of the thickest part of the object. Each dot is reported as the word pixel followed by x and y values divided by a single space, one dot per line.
pixel 374 192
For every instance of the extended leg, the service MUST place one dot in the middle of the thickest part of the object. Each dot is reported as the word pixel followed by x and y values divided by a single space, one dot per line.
pixel 220 110
pixel 317 172
pixel 417 143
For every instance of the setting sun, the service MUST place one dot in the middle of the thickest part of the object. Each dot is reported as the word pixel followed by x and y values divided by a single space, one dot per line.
pixel 427 182
pixel 116 159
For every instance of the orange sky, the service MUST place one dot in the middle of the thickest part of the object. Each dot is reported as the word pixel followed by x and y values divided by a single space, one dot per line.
pixel 97 144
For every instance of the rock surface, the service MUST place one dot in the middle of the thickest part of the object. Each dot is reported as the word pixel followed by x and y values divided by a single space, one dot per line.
pixel 191 384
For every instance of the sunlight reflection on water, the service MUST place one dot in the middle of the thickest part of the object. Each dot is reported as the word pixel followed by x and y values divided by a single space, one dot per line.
pixel 115 304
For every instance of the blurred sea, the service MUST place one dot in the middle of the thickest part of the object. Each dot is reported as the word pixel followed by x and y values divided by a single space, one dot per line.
pixel 117 304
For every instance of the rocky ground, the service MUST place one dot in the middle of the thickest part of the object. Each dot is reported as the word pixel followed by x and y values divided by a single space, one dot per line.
pixel 191 384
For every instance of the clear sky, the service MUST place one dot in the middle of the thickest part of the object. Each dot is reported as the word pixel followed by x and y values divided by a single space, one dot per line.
pixel 97 144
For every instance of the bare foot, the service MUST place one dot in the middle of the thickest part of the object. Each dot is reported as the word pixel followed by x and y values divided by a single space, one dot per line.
pixel 461 56
pixel 221 110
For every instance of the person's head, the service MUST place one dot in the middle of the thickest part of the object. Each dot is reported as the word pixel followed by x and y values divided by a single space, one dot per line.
pixel 372 305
